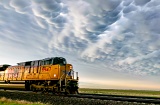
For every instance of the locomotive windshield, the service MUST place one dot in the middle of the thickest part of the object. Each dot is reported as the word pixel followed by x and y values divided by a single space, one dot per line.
pixel 54 61
pixel 60 61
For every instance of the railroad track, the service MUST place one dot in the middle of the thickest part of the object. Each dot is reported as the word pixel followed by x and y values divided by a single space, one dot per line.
pixel 139 99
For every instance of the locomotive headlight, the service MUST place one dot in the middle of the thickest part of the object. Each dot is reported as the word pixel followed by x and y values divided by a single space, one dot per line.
pixel 71 67
pixel 55 75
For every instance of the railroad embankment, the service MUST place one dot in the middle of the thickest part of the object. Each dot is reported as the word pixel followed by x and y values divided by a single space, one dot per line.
pixel 61 100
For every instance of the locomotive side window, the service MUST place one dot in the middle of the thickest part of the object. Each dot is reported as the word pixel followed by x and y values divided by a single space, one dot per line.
pixel 48 62
pixel 55 61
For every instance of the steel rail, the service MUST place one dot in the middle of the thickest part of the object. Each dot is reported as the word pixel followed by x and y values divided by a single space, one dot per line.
pixel 119 98
pixel 126 96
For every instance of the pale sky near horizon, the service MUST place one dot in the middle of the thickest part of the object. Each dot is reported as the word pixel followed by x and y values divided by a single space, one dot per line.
pixel 111 43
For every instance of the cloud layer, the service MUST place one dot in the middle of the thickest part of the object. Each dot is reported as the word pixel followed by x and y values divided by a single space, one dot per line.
pixel 122 35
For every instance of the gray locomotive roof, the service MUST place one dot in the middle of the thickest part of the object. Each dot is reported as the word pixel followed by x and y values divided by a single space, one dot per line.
pixel 41 59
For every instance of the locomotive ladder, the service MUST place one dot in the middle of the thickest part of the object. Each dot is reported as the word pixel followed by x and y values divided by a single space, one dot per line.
pixel 66 75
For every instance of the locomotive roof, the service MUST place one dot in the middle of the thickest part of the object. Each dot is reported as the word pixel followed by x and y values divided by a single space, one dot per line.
pixel 52 58
pixel 4 66
pixel 42 59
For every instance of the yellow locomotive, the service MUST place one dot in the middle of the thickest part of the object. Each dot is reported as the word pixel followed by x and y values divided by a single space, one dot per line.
pixel 49 74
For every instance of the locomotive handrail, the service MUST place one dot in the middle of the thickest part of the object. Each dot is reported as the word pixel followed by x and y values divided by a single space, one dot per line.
pixel 60 80
pixel 73 72
pixel 77 76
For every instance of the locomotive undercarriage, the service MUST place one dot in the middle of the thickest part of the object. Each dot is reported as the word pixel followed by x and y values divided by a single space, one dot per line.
pixel 54 86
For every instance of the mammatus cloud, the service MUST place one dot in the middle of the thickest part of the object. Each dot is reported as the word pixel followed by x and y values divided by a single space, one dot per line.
pixel 123 35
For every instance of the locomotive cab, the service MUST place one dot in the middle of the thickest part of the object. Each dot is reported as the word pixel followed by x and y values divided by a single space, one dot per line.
pixel 53 61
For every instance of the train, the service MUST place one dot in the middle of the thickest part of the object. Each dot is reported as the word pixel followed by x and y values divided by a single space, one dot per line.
pixel 51 74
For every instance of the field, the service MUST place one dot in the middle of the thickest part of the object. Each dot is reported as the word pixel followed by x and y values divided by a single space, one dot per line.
pixel 147 93
pixel 5 101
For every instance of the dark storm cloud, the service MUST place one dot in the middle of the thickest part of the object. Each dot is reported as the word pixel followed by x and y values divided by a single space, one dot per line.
pixel 141 2
pixel 121 34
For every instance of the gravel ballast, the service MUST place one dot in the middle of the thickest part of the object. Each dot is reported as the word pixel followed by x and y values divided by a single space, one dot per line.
pixel 61 100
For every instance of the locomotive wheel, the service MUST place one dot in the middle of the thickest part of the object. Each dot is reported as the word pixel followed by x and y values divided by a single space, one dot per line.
pixel 70 91
pixel 54 91
pixel 74 92
pixel 45 91
pixel 67 91
pixel 27 85
pixel 32 88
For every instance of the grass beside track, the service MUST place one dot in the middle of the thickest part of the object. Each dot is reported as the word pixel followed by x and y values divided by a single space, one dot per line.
pixel 147 93
pixel 5 101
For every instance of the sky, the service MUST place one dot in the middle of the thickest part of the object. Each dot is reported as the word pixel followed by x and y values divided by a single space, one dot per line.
pixel 112 44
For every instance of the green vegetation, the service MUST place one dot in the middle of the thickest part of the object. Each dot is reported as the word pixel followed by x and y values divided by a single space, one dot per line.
pixel 5 101
pixel 147 93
